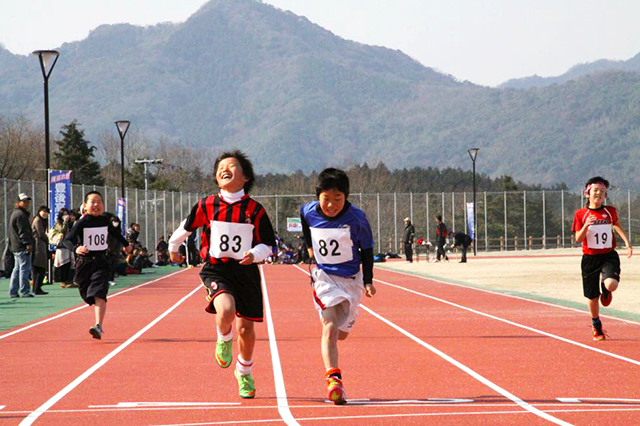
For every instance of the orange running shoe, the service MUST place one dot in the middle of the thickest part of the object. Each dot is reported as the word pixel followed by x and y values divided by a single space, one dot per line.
pixel 598 334
pixel 606 297
pixel 335 389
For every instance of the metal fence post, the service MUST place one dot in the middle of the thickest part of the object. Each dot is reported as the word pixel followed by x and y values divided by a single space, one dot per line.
pixel 544 222
pixel 427 216
pixel 453 211
pixel 411 206
pixel 466 219
pixel 33 195
pixel 486 232
pixel 6 204
pixel 146 217
pixel 505 221
pixel 277 214
pixel 155 219
pixel 164 214
pixel 395 223
pixel 443 215
pixel 379 236
pixel 137 220
pixel 525 218
pixel 562 206
pixel 629 212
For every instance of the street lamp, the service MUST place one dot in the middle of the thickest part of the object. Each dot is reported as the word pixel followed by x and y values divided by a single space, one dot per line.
pixel 147 162
pixel 48 59
pixel 473 153
pixel 122 126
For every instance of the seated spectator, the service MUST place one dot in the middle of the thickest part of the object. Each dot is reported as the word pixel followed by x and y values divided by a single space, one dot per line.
pixel 162 252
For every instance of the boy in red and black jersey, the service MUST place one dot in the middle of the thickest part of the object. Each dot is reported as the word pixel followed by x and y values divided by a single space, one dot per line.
pixel 236 235
pixel 594 227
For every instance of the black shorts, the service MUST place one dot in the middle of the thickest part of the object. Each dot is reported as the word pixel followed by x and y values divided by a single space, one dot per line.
pixel 241 281
pixel 92 277
pixel 595 264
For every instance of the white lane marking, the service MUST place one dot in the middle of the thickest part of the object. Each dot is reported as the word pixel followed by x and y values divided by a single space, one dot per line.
pixel 164 404
pixel 472 373
pixel 525 405
pixel 85 306
pixel 515 324
pixel 506 295
pixel 598 400
pixel 281 392
pixel 412 402
pixel 57 397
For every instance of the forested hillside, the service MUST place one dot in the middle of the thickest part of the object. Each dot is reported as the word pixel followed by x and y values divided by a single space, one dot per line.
pixel 240 73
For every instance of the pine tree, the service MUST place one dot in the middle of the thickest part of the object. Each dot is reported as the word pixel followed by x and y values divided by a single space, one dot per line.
pixel 75 153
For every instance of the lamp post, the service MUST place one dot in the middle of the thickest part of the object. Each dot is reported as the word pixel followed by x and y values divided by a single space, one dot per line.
pixel 147 162
pixel 48 59
pixel 122 126
pixel 473 153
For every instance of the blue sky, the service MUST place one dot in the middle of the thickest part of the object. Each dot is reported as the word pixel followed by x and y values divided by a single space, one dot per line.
pixel 484 41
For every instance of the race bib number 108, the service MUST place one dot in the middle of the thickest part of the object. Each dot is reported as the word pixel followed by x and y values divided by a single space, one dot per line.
pixel 95 238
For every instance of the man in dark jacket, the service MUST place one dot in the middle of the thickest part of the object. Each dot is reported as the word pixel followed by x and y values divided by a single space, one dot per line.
pixel 462 240
pixel 441 239
pixel 21 241
pixel 409 234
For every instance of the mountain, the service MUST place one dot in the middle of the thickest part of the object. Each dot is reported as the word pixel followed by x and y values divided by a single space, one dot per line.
pixel 575 72
pixel 240 73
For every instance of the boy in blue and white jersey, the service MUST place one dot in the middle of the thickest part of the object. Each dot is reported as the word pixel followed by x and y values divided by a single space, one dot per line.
pixel 339 237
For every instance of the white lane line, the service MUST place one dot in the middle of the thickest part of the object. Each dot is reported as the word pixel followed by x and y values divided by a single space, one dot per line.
pixel 84 306
pixel 165 404
pixel 281 393
pixel 469 371
pixel 57 397
pixel 513 296
pixel 515 324
pixel 487 382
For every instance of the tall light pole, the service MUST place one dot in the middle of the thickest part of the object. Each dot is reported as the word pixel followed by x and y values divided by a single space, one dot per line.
pixel 146 162
pixel 122 126
pixel 473 153
pixel 48 59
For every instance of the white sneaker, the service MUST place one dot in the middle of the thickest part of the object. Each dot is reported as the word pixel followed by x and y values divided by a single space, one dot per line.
pixel 112 283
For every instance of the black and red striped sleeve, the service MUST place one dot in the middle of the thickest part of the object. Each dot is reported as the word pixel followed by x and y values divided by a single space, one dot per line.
pixel 198 216
pixel 263 231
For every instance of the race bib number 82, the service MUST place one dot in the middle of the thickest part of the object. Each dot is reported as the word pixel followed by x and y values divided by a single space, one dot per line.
pixel 332 245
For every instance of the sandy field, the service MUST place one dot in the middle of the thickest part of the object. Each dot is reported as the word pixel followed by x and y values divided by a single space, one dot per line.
pixel 550 275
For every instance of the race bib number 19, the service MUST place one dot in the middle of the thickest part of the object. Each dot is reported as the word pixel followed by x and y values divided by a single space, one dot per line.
pixel 600 236
pixel 95 238
pixel 332 245
pixel 230 239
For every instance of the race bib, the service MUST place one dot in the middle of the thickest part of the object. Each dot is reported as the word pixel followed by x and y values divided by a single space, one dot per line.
pixel 332 245
pixel 230 239
pixel 95 238
pixel 600 236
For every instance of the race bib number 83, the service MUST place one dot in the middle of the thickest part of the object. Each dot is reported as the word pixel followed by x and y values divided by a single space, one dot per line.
pixel 600 236
pixel 95 238
pixel 230 239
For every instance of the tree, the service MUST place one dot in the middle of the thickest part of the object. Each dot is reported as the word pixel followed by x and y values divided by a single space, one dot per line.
pixel 75 153
pixel 21 150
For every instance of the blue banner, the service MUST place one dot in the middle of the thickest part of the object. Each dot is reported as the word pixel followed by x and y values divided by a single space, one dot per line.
pixel 59 193
pixel 471 221
pixel 121 212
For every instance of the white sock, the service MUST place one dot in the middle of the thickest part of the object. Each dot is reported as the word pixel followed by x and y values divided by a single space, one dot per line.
pixel 243 367
pixel 225 337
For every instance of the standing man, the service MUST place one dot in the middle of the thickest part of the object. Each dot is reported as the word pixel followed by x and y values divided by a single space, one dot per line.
pixel 441 238
pixel 21 241
pixel 40 260
pixel 409 234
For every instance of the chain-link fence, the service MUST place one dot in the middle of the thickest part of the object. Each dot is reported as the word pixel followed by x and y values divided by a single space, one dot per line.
pixel 512 220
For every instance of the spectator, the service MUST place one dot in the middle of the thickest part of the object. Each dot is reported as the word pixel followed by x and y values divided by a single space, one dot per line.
pixel 21 239
pixel 114 250
pixel 7 260
pixel 409 234
pixel 462 240
pixel 133 233
pixel 40 260
pixel 162 252
pixel 441 239
pixel 141 260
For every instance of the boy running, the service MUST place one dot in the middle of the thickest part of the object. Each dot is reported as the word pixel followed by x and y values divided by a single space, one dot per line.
pixel 236 235
pixel 89 240
pixel 340 239
pixel 594 227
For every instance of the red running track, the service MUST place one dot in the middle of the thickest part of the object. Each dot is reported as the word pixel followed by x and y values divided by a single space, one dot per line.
pixel 423 352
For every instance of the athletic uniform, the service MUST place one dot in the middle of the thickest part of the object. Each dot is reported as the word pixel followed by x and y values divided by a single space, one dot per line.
pixel 340 244
pixel 232 225
pixel 598 248
pixel 93 270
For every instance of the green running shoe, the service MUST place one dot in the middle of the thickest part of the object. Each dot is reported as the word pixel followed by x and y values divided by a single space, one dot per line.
pixel 224 353
pixel 246 385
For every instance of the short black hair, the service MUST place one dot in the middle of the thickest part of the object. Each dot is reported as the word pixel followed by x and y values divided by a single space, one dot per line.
pixel 86 197
pixel 597 179
pixel 332 178
pixel 439 217
pixel 247 166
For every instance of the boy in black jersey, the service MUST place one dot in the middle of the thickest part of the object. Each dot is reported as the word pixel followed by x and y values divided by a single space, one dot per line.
pixel 88 239
pixel 236 235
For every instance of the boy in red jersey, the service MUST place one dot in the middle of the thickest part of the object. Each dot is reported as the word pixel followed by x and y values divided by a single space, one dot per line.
pixel 594 227
pixel 236 235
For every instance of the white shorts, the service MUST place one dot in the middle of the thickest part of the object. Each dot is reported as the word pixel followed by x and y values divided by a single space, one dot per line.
pixel 331 290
